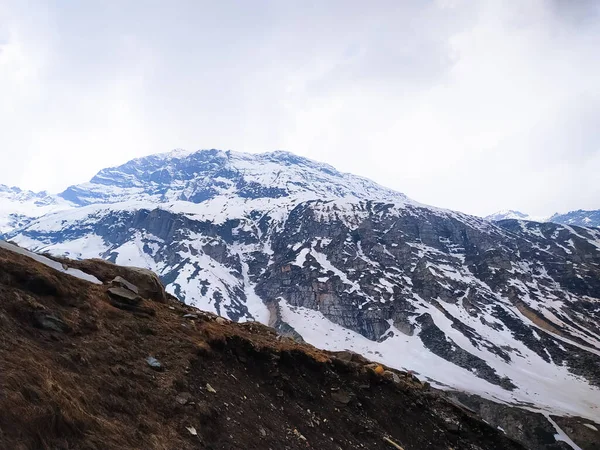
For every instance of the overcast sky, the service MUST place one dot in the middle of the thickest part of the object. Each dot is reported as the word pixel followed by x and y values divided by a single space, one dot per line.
pixel 470 105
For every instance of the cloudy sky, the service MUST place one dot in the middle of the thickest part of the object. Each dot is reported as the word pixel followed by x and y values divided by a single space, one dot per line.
pixel 471 105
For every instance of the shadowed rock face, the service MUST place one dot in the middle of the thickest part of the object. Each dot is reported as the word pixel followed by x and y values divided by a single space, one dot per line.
pixel 444 262
pixel 496 300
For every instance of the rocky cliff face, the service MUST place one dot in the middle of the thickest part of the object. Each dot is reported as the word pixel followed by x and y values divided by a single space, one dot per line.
pixel 507 310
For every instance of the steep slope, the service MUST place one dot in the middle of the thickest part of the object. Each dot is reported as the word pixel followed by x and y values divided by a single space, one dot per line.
pixel 81 371
pixel 509 311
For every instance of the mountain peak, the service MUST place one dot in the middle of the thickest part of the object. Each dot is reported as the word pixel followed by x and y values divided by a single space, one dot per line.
pixel 504 214
pixel 176 153
pixel 198 176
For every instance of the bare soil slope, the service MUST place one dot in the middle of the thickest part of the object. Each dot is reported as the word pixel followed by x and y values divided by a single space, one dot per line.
pixel 75 373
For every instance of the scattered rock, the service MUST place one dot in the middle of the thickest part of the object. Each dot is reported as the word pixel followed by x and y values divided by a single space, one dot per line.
pixel 451 425
pixel 344 356
pixel 192 431
pixel 209 388
pixel 221 320
pixel 262 431
pixel 124 295
pixel 190 316
pixel 392 376
pixel 50 322
pixel 47 321
pixel 205 410
pixel 119 281
pixel 127 300
pixel 299 435
pixel 147 282
pixel 341 397
pixel 392 443
pixel 183 398
pixel 154 363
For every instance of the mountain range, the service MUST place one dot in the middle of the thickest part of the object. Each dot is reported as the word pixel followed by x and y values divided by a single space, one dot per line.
pixel 506 308
pixel 579 217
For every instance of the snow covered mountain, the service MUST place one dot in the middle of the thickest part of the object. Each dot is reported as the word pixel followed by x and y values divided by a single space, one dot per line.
pixel 198 177
pixel 507 214
pixel 507 310
pixel 580 217
pixel 18 207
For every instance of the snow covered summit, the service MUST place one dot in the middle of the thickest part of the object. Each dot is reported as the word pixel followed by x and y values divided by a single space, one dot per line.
pixel 205 174
pixel 505 214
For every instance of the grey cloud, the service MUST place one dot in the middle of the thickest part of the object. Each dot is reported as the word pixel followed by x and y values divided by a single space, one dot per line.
pixel 450 101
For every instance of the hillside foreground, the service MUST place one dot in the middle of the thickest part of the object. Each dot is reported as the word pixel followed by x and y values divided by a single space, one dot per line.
pixel 85 368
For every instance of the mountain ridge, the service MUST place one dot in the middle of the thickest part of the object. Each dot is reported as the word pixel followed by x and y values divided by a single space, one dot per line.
pixel 70 196
pixel 580 217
